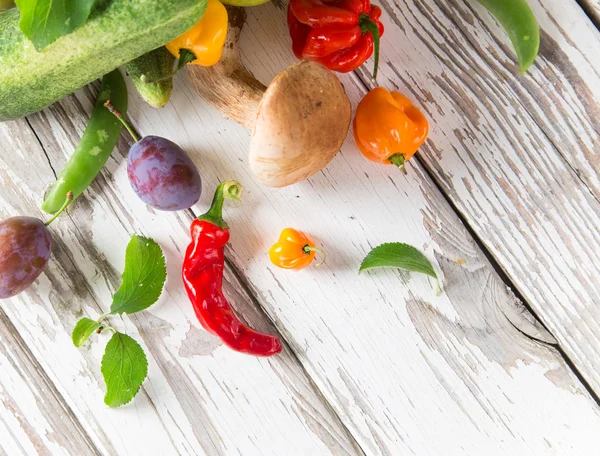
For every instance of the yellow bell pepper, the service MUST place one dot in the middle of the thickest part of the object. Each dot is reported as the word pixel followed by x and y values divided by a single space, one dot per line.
pixel 203 43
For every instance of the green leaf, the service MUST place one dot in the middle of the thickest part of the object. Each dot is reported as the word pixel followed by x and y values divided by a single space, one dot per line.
pixel 124 368
pixel 398 255
pixel 82 330
pixel 143 278
pixel 44 21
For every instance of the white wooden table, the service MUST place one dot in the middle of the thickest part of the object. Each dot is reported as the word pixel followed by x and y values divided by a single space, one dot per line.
pixel 504 198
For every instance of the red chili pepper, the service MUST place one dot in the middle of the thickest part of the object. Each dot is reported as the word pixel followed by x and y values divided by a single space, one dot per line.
pixel 341 35
pixel 203 278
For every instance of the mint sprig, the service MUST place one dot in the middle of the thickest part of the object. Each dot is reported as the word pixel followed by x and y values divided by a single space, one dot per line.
pixel 124 368
pixel 124 364
pixel 143 278
pixel 83 330
pixel 399 255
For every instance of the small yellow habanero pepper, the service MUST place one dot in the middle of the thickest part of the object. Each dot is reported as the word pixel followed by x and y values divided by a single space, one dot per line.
pixel 203 43
pixel 294 250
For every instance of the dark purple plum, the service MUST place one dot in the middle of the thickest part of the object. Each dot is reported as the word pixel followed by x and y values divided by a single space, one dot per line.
pixel 25 247
pixel 163 175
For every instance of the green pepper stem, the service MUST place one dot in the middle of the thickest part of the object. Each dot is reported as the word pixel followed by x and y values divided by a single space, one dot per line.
pixel 399 161
pixel 185 56
pixel 307 249
pixel 61 210
pixel 119 115
pixel 230 189
pixel 369 26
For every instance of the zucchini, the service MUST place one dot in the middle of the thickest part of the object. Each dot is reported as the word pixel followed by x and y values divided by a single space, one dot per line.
pixel 153 66
pixel 119 33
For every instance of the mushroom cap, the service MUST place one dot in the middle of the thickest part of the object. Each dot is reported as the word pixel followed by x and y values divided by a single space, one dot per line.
pixel 302 121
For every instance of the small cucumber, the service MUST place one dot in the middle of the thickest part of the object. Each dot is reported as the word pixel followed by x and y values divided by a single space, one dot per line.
pixel 94 148
pixel 119 33
pixel 153 66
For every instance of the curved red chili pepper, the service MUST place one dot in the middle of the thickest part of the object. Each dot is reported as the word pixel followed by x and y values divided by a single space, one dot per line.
pixel 202 274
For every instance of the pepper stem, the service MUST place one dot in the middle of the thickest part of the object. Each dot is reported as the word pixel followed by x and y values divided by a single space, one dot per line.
pixel 399 161
pixel 368 26
pixel 185 56
pixel 307 249
pixel 230 189
pixel 119 115
pixel 68 201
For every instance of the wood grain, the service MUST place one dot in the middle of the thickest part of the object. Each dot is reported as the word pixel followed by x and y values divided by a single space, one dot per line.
pixel 200 397
pixel 468 372
pixel 34 417
pixel 406 372
pixel 517 155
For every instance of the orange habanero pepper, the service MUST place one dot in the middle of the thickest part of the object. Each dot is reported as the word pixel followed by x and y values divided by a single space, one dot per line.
pixel 294 250
pixel 388 128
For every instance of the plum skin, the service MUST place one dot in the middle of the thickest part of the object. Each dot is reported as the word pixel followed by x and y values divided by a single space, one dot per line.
pixel 162 174
pixel 25 248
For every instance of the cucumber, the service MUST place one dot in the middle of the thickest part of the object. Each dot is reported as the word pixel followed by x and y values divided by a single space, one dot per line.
pixel 119 33
pixel 152 66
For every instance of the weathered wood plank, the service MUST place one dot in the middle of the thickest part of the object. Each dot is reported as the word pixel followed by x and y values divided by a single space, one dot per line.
pixel 200 398
pixel 517 155
pixel 406 371
pixel 34 418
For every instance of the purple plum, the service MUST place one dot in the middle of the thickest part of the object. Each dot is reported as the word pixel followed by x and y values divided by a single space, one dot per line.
pixel 162 174
pixel 25 247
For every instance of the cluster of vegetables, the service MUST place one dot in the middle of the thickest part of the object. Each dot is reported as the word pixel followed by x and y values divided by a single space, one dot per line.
pixel 298 123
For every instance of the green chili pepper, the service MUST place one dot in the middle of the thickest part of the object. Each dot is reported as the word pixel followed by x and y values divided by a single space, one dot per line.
pixel 521 26
pixel 94 148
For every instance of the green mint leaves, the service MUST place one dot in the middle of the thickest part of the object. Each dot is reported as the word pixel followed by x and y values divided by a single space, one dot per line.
pixel 83 330
pixel 124 364
pixel 399 255
pixel 143 278
pixel 124 368
pixel 44 21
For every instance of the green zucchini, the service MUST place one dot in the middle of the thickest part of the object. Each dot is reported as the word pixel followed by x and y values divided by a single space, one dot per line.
pixel 152 66
pixel 124 30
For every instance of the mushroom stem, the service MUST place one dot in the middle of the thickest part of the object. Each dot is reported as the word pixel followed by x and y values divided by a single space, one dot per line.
pixel 228 85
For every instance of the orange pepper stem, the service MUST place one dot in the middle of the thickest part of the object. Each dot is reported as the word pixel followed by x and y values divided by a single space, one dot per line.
pixel 399 161
pixel 185 56
pixel 307 249
pixel 368 26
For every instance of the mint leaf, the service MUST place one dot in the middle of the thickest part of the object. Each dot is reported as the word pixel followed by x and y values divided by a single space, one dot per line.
pixel 124 368
pixel 143 278
pixel 398 255
pixel 44 21
pixel 82 330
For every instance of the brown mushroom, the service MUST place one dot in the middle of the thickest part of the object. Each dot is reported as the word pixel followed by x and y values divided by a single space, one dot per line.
pixel 299 122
